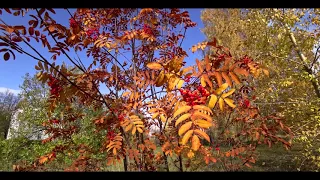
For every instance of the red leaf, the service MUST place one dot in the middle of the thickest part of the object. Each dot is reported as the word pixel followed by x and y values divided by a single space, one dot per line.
pixel 6 56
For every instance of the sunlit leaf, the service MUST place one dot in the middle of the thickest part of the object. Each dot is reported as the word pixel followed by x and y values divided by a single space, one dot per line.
pixel 181 110
pixel 186 137
pixel 184 128
pixel 212 101
pixel 195 143
pixel 154 65
pixel 182 118
pixel 222 88
pixel 229 102
pixel 221 104
pixel 231 91
pixel 202 134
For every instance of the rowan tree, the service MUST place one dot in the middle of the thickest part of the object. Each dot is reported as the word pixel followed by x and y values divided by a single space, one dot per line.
pixel 137 55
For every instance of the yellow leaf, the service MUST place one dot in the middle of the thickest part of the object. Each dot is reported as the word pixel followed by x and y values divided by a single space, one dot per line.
pixel 180 83
pixel 203 82
pixel 160 79
pixel 202 134
pixel 212 101
pixel 221 104
pixel 229 102
pixel 202 107
pixel 203 123
pixel 182 118
pixel 138 122
pixel 202 115
pixel 186 137
pixel 181 110
pixel 228 93
pixel 134 130
pixel 154 65
pixel 140 130
pixel 155 115
pixel 172 82
pixel 163 119
pixel 184 128
pixel 195 143
pixel 222 88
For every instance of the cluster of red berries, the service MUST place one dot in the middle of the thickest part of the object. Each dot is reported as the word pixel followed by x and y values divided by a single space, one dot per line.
pixel 73 23
pixel 196 97
pixel 246 103
pixel 111 135
pixel 147 29
pixel 93 33
pixel 54 85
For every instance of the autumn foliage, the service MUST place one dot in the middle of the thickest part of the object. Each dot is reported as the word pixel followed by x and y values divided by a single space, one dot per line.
pixel 157 107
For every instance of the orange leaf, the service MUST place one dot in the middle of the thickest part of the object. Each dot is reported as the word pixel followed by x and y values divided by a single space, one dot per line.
pixel 218 78
pixel 206 78
pixel 228 154
pixel 241 71
pixel 51 28
pixel 227 78
pixel 234 78
pixel 199 66
pixel 207 61
pixel 154 65
pixel 43 159
pixel 125 93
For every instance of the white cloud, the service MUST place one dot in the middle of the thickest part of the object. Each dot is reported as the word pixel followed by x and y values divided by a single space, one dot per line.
pixel 14 91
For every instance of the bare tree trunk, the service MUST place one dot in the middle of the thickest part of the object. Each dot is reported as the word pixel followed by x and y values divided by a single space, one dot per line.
pixel 314 82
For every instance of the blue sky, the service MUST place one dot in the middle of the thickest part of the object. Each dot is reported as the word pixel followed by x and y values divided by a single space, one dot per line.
pixel 12 71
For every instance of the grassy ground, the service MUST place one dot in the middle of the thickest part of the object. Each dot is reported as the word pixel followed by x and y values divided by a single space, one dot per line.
pixel 276 158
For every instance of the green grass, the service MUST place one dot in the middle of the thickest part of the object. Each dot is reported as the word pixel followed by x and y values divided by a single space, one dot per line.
pixel 276 158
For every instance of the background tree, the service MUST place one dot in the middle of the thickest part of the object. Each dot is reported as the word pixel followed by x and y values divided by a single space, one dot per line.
pixel 286 41
pixel 8 102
